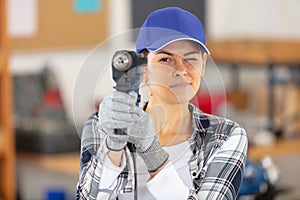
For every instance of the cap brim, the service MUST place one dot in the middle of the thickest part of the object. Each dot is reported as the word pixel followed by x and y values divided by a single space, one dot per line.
pixel 160 44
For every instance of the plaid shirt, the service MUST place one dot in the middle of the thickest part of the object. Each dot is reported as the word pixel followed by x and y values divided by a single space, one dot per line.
pixel 219 148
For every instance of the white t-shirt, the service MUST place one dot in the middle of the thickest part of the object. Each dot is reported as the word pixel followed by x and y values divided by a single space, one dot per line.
pixel 174 178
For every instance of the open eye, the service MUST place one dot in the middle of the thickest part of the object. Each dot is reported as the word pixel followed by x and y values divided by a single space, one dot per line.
pixel 165 60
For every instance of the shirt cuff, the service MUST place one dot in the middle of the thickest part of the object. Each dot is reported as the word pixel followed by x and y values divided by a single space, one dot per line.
pixel 110 172
pixel 168 176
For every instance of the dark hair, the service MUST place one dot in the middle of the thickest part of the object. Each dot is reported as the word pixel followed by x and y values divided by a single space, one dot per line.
pixel 199 47
pixel 145 52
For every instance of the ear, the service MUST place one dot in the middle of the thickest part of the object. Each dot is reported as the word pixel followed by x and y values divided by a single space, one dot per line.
pixel 145 74
pixel 204 56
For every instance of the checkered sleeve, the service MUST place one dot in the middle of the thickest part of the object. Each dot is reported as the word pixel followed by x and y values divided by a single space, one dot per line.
pixel 225 167
pixel 91 164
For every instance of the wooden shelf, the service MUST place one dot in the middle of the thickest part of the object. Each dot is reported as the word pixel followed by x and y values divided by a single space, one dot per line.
pixel 255 52
pixel 282 147
pixel 1 64
pixel 66 163
pixel 7 147
pixel 1 142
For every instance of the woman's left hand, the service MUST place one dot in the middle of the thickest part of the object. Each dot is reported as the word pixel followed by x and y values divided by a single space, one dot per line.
pixel 142 132
pixel 143 135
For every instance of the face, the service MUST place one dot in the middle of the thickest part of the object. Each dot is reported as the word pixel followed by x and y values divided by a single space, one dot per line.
pixel 174 73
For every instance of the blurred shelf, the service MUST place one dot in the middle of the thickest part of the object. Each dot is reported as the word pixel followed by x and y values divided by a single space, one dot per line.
pixel 67 163
pixel 7 147
pixel 1 64
pixel 255 51
pixel 283 147
pixel 1 141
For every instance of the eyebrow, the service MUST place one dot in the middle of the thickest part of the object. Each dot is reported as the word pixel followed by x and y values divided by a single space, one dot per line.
pixel 171 54
pixel 191 52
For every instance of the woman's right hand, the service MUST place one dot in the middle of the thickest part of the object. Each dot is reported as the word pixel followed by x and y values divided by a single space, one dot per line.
pixel 116 114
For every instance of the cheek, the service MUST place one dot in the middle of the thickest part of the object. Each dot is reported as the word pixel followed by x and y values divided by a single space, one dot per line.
pixel 159 78
pixel 159 75
pixel 196 81
pixel 196 77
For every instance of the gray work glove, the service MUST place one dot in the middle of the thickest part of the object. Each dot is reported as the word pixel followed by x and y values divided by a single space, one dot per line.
pixel 143 135
pixel 116 112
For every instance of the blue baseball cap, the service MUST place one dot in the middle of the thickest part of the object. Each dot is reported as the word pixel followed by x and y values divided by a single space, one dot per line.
pixel 167 25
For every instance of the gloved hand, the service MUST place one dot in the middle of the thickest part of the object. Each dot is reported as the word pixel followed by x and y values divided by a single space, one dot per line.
pixel 116 111
pixel 143 135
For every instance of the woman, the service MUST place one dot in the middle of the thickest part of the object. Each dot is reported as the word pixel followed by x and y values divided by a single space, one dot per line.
pixel 182 153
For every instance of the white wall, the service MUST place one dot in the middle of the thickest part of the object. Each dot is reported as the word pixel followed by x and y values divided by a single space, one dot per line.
pixel 230 18
pixel 253 18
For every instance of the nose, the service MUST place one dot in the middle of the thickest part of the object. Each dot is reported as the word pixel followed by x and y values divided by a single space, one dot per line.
pixel 180 68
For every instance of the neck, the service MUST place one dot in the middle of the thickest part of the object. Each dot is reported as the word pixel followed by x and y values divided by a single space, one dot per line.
pixel 170 119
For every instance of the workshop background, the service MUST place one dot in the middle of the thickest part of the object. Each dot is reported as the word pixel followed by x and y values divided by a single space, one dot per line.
pixel 55 67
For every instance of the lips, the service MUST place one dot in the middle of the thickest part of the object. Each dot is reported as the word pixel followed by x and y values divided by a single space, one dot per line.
pixel 180 85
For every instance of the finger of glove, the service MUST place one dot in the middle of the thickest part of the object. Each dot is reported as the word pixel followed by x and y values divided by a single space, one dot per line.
pixel 143 128
pixel 115 124
pixel 111 104
pixel 140 142
pixel 123 108
pixel 142 132
pixel 144 122
pixel 118 137
pixel 115 121
pixel 141 135
pixel 115 134
pixel 124 98
pixel 116 143
pixel 119 114
pixel 116 113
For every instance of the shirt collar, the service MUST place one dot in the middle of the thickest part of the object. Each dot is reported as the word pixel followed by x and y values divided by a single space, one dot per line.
pixel 200 126
pixel 200 119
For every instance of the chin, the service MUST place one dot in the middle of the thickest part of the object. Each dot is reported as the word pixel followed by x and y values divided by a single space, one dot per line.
pixel 183 97
pixel 174 96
